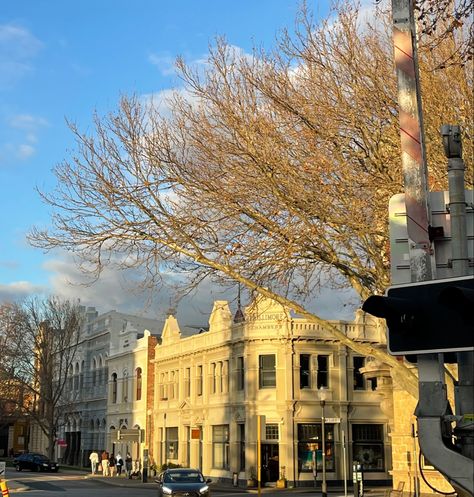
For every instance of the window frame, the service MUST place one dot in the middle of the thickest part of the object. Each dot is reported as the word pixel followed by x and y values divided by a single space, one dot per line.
pixel 220 447
pixel 323 375
pixel 359 382
pixel 305 371
pixel 266 373
pixel 370 444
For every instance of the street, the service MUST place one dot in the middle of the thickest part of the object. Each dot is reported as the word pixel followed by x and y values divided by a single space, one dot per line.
pixel 78 484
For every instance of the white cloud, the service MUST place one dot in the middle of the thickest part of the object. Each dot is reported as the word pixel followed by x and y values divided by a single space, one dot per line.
pixel 18 290
pixel 28 122
pixel 17 49
pixel 24 151
pixel 120 291
pixel 164 63
pixel 22 145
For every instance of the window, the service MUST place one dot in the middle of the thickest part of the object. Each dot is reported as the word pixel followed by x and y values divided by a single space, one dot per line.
pixel 114 388
pixel 359 381
pixel 271 432
pixel 94 373
pixel 372 383
pixel 305 371
pixel 367 446
pixel 164 386
pixel 225 377
pixel 171 450
pixel 241 432
pixel 267 373
pixel 240 373
pixel 310 447
pixel 323 371
pixel 138 393
pixel 213 377
pixel 199 380
pixel 125 387
pixel 171 385
pixel 220 447
pixel 187 382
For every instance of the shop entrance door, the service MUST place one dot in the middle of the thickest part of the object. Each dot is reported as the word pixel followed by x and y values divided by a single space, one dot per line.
pixel 270 462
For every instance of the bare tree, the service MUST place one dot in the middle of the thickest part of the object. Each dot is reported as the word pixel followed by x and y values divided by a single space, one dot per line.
pixel 39 340
pixel 275 171
pixel 442 20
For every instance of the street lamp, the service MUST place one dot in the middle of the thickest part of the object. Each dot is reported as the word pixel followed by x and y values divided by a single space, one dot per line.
pixel 322 401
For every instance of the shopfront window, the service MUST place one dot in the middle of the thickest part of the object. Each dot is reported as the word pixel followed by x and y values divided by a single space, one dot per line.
pixel 368 447
pixel 172 443
pixel 220 446
pixel 310 447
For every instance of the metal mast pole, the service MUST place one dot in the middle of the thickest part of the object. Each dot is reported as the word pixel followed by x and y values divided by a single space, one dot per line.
pixel 464 392
pixel 433 405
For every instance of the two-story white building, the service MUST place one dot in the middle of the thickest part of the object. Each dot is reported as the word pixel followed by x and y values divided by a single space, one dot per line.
pixel 211 388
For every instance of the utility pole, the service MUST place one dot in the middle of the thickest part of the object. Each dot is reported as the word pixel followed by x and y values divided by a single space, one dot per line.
pixel 464 393
pixel 433 409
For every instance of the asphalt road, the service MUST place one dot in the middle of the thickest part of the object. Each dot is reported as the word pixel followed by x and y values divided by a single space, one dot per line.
pixel 74 484
pixel 69 483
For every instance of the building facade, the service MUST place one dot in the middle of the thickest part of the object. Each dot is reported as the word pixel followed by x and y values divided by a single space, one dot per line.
pixel 84 427
pixel 130 393
pixel 211 388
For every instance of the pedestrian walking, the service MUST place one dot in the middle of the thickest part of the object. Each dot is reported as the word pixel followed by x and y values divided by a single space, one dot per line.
pixel 94 459
pixel 128 465
pixel 119 464
pixel 105 463
pixel 112 464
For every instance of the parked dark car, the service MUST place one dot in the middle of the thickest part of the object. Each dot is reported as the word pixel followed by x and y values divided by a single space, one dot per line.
pixel 34 462
pixel 182 482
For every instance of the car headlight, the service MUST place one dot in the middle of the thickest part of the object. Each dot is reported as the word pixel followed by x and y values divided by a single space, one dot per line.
pixel 167 490
pixel 204 490
pixel 45 465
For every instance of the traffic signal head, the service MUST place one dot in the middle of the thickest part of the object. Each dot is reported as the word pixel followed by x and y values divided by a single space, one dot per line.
pixel 428 317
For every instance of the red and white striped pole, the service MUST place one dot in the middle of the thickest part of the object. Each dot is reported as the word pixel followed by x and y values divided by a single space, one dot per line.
pixel 413 151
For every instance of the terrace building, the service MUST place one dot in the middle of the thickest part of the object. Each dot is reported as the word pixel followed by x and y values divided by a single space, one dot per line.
pixel 211 387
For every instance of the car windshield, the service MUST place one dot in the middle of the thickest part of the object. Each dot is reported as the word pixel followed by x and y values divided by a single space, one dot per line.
pixel 183 477
pixel 41 458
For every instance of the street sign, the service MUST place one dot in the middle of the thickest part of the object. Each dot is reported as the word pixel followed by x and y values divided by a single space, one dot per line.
pixel 332 420
pixel 130 434
pixel 440 218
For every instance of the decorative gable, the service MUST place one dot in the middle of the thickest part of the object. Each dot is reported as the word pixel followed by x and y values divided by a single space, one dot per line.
pixel 221 317
pixel 171 331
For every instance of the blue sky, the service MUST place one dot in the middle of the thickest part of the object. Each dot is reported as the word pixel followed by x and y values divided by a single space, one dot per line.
pixel 64 60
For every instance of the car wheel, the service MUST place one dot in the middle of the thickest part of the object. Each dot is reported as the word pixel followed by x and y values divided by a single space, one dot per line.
pixel 18 467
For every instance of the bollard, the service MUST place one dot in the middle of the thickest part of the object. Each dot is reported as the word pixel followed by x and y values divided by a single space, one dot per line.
pixel 4 488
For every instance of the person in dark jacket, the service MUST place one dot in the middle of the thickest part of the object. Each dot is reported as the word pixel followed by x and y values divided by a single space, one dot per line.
pixel 112 465
pixel 128 465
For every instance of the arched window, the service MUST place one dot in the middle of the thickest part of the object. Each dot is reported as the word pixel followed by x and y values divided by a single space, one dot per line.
pixel 81 378
pixel 94 372
pixel 114 388
pixel 75 385
pixel 139 383
pixel 125 387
